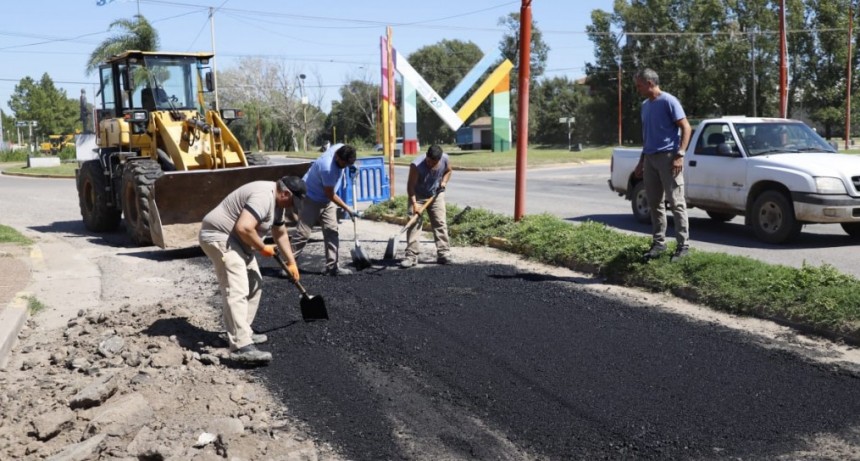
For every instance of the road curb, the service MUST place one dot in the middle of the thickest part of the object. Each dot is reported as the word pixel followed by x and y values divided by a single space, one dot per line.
pixel 27 175
pixel 12 318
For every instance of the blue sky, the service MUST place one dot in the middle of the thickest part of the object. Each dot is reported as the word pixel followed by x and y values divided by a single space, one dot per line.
pixel 332 41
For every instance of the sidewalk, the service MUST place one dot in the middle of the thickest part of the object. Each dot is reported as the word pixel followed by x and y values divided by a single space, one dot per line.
pixel 53 273
pixel 15 275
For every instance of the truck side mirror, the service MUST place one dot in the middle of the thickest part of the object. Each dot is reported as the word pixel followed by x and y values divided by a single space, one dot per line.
pixel 210 82
pixel 724 150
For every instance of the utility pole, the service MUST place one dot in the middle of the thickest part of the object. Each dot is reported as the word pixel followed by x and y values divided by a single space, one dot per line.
pixel 304 113
pixel 618 81
pixel 214 70
pixel 754 108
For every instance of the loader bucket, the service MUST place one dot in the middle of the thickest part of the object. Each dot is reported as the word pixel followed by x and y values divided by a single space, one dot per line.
pixel 180 199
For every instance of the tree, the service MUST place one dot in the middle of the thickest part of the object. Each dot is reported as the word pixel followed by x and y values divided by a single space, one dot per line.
pixel 442 65
pixel 48 106
pixel 557 98
pixel 269 93
pixel 135 34
pixel 823 88
pixel 355 115
pixel 8 123
pixel 538 53
pixel 510 47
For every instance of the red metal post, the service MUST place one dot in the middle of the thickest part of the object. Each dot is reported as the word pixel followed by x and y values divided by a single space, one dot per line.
pixel 619 102
pixel 783 63
pixel 848 79
pixel 523 109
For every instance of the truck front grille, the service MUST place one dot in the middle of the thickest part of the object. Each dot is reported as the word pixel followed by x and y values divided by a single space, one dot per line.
pixel 856 181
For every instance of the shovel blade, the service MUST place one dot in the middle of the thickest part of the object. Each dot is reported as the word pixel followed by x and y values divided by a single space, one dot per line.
pixel 313 308
pixel 391 249
pixel 360 260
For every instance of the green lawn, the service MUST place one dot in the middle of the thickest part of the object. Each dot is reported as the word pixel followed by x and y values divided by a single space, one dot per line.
pixel 9 235
pixel 64 169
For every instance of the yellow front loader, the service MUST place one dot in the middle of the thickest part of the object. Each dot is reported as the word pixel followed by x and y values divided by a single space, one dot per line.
pixel 163 160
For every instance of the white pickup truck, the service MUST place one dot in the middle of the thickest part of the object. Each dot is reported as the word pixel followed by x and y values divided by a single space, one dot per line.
pixel 777 173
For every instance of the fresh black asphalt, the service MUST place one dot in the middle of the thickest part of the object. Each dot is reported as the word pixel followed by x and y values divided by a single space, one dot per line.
pixel 487 362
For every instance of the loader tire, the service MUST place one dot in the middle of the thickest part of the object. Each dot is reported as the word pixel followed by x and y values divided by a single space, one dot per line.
pixel 97 212
pixel 257 159
pixel 137 179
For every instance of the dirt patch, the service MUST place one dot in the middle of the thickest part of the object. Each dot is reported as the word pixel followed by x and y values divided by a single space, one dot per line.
pixel 143 384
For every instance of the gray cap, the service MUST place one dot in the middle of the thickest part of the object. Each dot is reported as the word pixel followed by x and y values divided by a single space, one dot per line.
pixel 294 184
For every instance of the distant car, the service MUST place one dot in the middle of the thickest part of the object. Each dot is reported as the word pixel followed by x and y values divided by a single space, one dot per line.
pixel 398 146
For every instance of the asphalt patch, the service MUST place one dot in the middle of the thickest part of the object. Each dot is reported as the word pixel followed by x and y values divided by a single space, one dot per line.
pixel 485 361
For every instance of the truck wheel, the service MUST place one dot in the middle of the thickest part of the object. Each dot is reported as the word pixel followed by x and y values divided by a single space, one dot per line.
pixel 852 229
pixel 257 159
pixel 720 217
pixel 96 211
pixel 639 204
pixel 137 179
pixel 773 218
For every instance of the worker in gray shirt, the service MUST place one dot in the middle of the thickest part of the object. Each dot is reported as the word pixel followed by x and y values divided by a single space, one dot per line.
pixel 230 235
pixel 428 177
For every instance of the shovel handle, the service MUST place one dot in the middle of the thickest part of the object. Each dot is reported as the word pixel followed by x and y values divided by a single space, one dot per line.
pixel 283 265
pixel 415 216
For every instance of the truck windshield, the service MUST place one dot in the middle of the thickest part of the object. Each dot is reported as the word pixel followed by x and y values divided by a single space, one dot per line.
pixel 765 138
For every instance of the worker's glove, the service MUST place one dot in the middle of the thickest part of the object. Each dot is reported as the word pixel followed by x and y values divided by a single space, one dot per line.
pixel 352 171
pixel 268 250
pixel 293 271
pixel 440 189
pixel 354 214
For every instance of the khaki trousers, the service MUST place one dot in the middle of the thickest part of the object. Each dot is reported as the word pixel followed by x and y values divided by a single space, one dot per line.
pixel 241 287
pixel 662 187
pixel 311 213
pixel 438 222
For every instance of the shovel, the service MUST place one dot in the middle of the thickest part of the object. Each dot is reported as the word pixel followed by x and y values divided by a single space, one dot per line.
pixel 391 249
pixel 312 307
pixel 360 260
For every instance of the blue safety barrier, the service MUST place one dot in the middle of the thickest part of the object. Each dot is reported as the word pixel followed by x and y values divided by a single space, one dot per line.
pixel 371 181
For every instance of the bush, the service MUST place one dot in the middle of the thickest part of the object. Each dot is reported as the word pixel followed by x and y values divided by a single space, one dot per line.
pixel 13 156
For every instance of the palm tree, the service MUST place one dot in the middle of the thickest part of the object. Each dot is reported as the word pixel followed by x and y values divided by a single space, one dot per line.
pixel 137 34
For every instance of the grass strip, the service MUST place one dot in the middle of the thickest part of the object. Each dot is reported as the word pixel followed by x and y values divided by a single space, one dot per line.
pixel 9 235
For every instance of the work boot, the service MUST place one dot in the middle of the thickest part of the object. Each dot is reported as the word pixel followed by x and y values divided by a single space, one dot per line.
pixel 250 354
pixel 408 262
pixel 656 250
pixel 257 338
pixel 680 252
pixel 444 259
pixel 337 271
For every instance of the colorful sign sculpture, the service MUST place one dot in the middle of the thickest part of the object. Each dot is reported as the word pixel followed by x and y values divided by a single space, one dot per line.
pixel 496 84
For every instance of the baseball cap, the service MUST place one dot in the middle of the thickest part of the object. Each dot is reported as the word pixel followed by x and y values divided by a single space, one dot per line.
pixel 295 184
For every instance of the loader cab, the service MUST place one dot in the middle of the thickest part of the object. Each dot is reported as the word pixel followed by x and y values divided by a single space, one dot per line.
pixel 154 81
